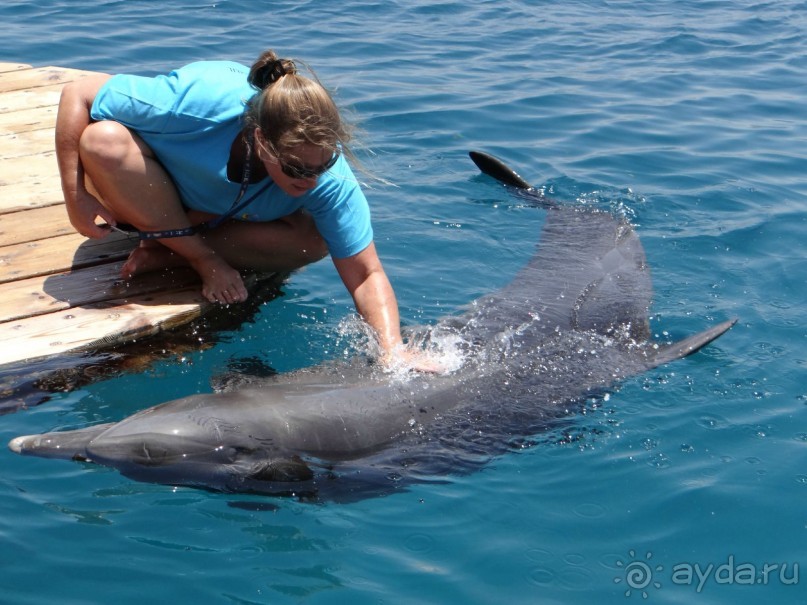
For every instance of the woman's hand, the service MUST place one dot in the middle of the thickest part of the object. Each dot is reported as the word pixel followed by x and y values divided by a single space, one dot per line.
pixel 83 211
pixel 403 358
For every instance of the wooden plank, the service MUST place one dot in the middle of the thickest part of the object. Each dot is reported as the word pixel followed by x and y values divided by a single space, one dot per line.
pixel 38 76
pixel 4 67
pixel 47 294
pixel 31 170
pixel 61 253
pixel 29 182
pixel 33 225
pixel 22 196
pixel 43 96
pixel 22 144
pixel 99 326
pixel 14 122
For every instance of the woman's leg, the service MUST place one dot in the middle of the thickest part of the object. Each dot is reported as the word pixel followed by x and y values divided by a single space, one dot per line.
pixel 282 245
pixel 137 190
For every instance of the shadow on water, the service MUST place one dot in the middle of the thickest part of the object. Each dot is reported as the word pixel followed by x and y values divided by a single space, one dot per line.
pixel 30 383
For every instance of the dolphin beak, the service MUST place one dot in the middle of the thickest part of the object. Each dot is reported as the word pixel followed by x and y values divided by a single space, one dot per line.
pixel 16 444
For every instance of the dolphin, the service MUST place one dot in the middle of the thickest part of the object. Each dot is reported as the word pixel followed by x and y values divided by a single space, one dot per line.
pixel 572 323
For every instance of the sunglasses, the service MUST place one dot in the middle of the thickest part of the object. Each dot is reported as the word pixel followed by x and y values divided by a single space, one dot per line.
pixel 297 171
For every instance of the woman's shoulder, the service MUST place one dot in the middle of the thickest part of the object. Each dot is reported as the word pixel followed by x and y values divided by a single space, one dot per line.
pixel 337 194
pixel 216 90
pixel 213 70
pixel 211 87
pixel 339 181
pixel 223 74
pixel 198 95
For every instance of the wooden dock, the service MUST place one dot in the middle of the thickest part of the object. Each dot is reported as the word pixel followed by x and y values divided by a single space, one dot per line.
pixel 61 293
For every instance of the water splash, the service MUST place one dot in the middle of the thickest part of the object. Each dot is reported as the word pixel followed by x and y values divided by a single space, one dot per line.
pixel 436 349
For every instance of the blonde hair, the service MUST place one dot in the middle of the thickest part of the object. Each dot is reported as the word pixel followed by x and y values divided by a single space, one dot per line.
pixel 293 110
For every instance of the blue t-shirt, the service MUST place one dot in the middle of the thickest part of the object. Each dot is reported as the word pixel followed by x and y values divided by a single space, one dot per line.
pixel 191 117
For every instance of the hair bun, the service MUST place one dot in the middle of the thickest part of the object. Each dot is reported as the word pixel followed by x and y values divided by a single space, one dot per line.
pixel 268 69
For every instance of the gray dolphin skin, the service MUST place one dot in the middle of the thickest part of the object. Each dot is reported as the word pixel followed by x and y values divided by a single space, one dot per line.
pixel 571 324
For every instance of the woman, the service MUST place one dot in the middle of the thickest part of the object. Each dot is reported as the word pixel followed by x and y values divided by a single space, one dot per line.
pixel 168 155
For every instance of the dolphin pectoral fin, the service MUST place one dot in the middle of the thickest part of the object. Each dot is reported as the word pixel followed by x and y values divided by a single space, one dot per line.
pixel 283 469
pixel 690 345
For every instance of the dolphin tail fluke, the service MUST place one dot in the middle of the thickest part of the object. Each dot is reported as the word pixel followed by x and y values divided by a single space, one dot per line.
pixel 689 345
pixel 71 445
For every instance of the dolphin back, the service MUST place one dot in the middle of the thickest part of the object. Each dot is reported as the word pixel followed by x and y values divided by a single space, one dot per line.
pixel 589 273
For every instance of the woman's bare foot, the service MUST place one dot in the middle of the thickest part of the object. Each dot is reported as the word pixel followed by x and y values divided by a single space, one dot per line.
pixel 147 258
pixel 220 282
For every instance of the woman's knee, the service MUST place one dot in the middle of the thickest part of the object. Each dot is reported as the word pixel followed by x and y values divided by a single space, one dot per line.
pixel 106 145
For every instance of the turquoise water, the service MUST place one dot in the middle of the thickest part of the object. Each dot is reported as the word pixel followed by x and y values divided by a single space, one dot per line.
pixel 686 115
